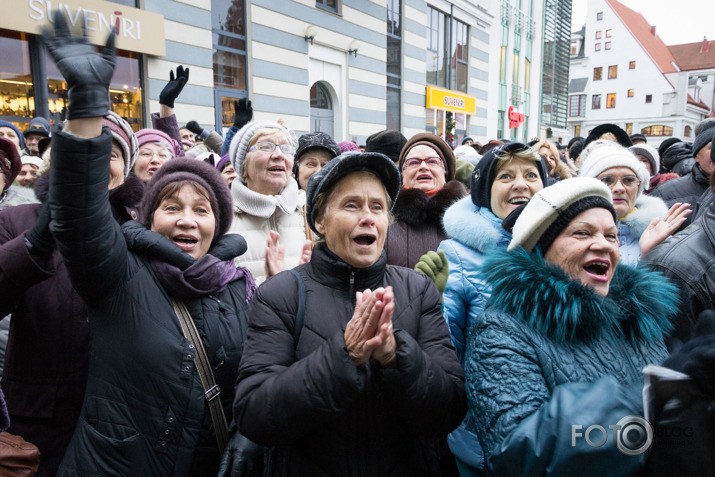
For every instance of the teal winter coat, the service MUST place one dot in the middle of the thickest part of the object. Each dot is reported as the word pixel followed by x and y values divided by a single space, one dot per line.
pixel 549 354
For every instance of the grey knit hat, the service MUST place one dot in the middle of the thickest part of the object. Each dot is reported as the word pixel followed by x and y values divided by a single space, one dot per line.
pixel 702 140
pixel 239 144
pixel 123 133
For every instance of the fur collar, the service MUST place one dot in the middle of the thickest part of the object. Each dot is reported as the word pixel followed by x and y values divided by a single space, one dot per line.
pixel 476 227
pixel 647 208
pixel 129 194
pixel 414 208
pixel 638 305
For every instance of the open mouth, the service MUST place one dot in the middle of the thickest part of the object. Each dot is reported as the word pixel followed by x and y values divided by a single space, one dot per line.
pixel 518 200
pixel 276 169
pixel 365 240
pixel 424 177
pixel 598 269
pixel 185 242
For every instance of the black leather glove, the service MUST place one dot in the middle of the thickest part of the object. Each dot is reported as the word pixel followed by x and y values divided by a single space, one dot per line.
pixel 39 238
pixel 173 88
pixel 242 458
pixel 87 72
pixel 194 127
pixel 696 358
pixel 244 112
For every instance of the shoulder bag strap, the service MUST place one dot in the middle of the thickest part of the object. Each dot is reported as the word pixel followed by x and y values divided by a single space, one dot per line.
pixel 211 389
pixel 300 315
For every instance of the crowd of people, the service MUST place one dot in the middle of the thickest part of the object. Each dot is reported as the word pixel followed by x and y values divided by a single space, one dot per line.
pixel 184 304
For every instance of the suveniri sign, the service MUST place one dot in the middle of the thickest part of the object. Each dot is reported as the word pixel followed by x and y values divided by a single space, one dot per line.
pixel 137 30
pixel 439 98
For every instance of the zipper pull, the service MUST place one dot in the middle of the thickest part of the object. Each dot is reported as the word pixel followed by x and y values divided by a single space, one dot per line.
pixel 352 284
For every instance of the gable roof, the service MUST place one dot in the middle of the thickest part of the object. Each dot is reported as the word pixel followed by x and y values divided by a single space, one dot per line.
pixel 690 56
pixel 650 42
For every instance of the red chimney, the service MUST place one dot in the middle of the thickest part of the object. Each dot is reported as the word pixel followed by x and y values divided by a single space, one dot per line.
pixel 706 45
pixel 652 30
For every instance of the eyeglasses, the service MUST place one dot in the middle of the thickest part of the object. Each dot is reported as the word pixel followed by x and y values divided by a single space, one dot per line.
pixel 147 154
pixel 629 182
pixel 415 162
pixel 267 146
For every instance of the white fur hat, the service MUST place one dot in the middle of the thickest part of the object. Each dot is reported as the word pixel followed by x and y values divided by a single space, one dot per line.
pixel 613 155
pixel 239 144
pixel 34 160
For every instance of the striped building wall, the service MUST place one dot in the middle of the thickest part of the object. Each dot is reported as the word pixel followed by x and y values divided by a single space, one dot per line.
pixel 187 25
pixel 414 66
pixel 479 78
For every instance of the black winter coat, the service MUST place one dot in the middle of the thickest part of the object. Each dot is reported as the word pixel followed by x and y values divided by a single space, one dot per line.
pixel 324 415
pixel 47 354
pixel 688 258
pixel 144 411
pixel 684 189
pixel 418 223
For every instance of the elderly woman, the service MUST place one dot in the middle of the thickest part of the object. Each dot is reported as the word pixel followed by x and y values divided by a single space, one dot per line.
pixel 155 148
pixel 643 221
pixel 556 167
pixel 10 165
pixel 505 178
pixel 428 188
pixel 564 339
pixel 225 167
pixel 267 203
pixel 314 151
pixel 365 372
pixel 167 307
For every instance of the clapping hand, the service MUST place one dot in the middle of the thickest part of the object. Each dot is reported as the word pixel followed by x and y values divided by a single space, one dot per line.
pixel 275 255
pixel 660 229
pixel 369 331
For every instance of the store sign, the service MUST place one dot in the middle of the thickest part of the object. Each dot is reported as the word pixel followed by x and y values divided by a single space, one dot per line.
pixel 439 98
pixel 515 117
pixel 137 30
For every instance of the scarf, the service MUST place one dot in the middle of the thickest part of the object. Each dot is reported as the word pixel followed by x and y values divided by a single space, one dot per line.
pixel 260 205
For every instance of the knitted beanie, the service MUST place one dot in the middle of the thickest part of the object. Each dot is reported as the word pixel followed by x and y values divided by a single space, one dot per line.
pixel 346 146
pixel 607 156
pixel 703 125
pixel 648 152
pixel 241 140
pixel 225 159
pixel 38 126
pixel 551 209
pixel 34 160
pixel 160 137
pixel 601 129
pixel 389 142
pixel 198 171
pixel 123 133
pixel 443 150
pixel 10 163
pixel 702 140
pixel 20 136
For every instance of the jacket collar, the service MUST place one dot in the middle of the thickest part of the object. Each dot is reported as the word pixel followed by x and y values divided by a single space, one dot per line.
pixel 638 306
pixel 247 201
pixel 417 210
pixel 475 227
pixel 646 208
pixel 330 270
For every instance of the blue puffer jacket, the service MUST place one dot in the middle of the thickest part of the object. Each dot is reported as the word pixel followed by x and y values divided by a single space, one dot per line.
pixel 549 353
pixel 632 226
pixel 475 230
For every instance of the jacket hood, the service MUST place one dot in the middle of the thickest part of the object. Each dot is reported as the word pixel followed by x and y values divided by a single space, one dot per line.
pixel 417 210
pixel 647 208
pixel 638 306
pixel 475 227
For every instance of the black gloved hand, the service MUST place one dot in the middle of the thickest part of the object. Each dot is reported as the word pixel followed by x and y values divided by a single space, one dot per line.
pixel 244 112
pixel 696 358
pixel 87 72
pixel 173 88
pixel 242 458
pixel 194 127
pixel 39 237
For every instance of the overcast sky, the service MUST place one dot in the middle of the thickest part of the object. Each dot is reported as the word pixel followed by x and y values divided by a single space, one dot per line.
pixel 678 21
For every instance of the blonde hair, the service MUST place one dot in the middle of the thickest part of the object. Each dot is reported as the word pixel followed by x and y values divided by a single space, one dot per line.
pixel 558 168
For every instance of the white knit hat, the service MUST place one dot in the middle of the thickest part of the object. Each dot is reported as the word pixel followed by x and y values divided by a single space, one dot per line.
pixel 34 160
pixel 551 202
pixel 650 153
pixel 608 156
pixel 239 144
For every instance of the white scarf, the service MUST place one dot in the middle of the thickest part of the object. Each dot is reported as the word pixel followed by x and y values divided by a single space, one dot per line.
pixel 260 205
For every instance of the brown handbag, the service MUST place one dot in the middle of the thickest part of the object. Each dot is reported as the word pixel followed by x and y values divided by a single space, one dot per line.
pixel 17 456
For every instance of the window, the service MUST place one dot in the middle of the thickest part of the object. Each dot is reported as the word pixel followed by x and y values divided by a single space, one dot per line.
pixel 576 131
pixel 437 57
pixel 460 56
pixel 629 128
pixel 608 45
pixel 599 16
pixel 502 64
pixel 688 131
pixel 597 47
pixel 632 65
pixel 577 105
pixel 527 76
pixel 657 130
pixel 599 33
pixel 596 101
pixel 648 98
pixel 611 100
pixel 598 73
pixel 609 33
pixel 394 66
pixel 613 72
pixel 631 93
pixel 228 25
pixel 330 5
pixel 449 69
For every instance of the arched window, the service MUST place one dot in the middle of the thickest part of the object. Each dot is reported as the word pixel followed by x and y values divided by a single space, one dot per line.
pixel 688 131
pixel 320 97
pixel 657 130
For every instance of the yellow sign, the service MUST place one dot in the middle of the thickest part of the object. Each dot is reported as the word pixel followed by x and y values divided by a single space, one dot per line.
pixel 138 30
pixel 439 98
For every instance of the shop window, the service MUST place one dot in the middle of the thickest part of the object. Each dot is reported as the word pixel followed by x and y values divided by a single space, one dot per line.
pixel 657 130
pixel 613 72
pixel 597 73
pixel 597 47
pixel 688 131
pixel 631 93
pixel 608 45
pixel 17 100
pixel 599 16
pixel 629 128
pixel 596 101
pixel 609 33
pixel 599 34
pixel 460 56
pixel 648 98
pixel 611 100
pixel 632 65
pixel 330 5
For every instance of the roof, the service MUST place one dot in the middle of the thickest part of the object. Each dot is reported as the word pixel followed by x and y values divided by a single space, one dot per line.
pixel 690 56
pixel 699 104
pixel 641 30
pixel 577 85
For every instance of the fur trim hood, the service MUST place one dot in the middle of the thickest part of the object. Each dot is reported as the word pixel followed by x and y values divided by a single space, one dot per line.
pixel 417 210
pixel 476 227
pixel 647 208
pixel 638 306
